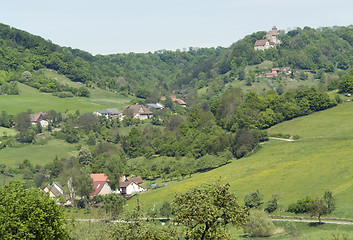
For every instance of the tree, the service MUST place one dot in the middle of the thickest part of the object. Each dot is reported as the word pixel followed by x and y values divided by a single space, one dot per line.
pixel 272 204
pixel 166 209
pixel 206 210
pixel 114 168
pixel 5 119
pixel 83 184
pixel 114 204
pixel 140 229
pixel 29 214
pixel 254 199
pixel 85 156
pixel 323 206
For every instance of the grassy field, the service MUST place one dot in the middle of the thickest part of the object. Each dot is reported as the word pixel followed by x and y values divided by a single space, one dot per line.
pixel 321 160
pixel 7 132
pixel 37 153
pixel 31 98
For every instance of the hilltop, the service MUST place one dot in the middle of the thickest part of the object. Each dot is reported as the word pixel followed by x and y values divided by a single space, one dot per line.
pixel 316 56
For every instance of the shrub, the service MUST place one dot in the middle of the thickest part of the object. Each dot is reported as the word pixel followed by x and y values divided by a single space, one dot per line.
pixel 259 225
pixel 254 199
pixel 301 206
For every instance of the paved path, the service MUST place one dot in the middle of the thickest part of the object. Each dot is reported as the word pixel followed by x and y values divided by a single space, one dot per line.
pixel 312 221
pixel 282 139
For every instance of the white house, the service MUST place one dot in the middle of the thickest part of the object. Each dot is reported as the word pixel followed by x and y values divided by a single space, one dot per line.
pixel 129 187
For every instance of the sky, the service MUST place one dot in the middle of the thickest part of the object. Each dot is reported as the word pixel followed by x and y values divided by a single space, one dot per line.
pixel 140 26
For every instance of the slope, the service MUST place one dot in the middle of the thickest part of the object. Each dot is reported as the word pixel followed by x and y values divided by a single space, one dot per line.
pixel 321 160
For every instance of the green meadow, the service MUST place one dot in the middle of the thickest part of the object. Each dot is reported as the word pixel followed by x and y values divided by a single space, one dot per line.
pixel 40 154
pixel 31 98
pixel 320 160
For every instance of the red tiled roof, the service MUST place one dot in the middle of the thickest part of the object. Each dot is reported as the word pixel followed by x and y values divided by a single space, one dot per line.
pixel 98 185
pixel 179 101
pixel 260 43
pixel 272 33
pixel 99 179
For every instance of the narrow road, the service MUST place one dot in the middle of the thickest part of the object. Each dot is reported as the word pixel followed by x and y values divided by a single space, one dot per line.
pixel 312 221
pixel 282 139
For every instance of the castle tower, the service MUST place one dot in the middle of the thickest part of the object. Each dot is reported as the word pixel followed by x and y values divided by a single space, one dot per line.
pixel 274 29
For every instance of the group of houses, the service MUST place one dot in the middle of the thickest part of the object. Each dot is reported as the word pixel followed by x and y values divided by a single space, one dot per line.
pixel 140 112
pixel 274 72
pixel 271 40
pixel 127 187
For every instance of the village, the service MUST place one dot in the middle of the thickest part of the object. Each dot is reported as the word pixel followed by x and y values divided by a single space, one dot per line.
pixel 128 186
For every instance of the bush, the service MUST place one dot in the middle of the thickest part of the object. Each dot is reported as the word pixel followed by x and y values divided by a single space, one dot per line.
pixel 29 214
pixel 301 206
pixel 259 225
pixel 254 199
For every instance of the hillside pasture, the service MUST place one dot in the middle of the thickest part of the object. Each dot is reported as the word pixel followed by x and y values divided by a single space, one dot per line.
pixel 320 160
pixel 37 154
pixel 31 98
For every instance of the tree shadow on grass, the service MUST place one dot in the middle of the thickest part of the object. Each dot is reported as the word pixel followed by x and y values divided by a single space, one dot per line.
pixel 316 224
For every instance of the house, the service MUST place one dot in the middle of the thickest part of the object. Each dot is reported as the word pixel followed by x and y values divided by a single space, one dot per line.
pixel 54 190
pixel 263 45
pixel 39 117
pixel 138 112
pixel 271 40
pixel 178 101
pixel 273 73
pixel 110 113
pixel 130 186
pixel 100 184
pixel 155 105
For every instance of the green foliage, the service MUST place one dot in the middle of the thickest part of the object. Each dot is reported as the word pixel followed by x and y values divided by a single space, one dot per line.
pixel 272 204
pixel 29 214
pixel 254 199
pixel 206 210
pixel 166 210
pixel 324 205
pixel 83 184
pixel 301 206
pixel 139 229
pixel 259 225
pixel 114 204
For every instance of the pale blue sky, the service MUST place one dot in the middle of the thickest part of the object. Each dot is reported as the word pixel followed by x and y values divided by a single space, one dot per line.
pixel 115 26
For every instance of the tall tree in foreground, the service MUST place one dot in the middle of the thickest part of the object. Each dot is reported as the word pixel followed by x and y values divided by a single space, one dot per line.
pixel 206 210
pixel 324 205
pixel 29 214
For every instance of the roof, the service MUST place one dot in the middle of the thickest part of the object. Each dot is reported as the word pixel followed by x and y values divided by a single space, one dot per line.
pixel 99 179
pixel 103 111
pixel 114 111
pixel 155 105
pixel 139 109
pixel 136 180
pixel 261 42
pixel 36 117
pixel 272 33
pixel 98 185
pixel 179 101
pixel 125 183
